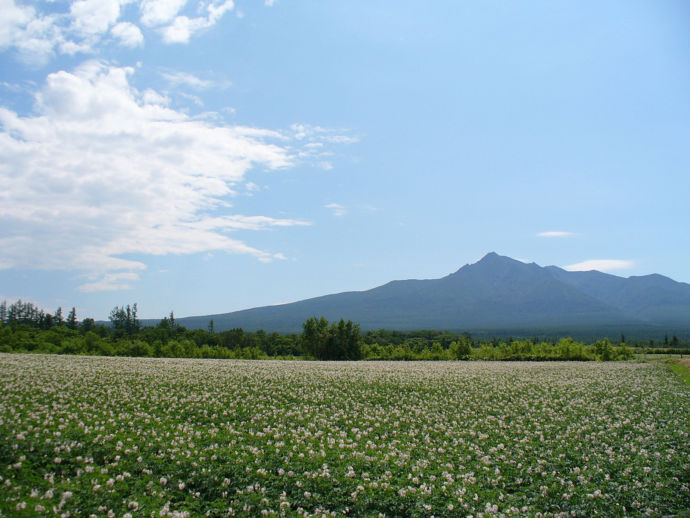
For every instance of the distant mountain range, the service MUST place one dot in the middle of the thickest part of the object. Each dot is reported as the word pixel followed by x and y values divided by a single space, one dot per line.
pixel 496 293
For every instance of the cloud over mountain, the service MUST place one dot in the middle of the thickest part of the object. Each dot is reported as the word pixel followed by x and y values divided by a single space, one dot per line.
pixel 603 265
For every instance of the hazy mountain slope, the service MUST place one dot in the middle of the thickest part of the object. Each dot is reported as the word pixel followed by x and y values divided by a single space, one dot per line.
pixel 650 298
pixel 495 293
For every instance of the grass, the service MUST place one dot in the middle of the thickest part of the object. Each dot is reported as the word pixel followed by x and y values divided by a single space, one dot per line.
pixel 659 356
pixel 682 369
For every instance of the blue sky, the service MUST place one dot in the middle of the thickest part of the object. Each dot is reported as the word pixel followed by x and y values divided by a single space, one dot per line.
pixel 211 156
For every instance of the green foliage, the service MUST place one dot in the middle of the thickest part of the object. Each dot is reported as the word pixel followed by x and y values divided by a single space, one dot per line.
pixel 464 348
pixel 319 340
pixel 124 320
pixel 72 319
pixel 461 349
pixel 335 342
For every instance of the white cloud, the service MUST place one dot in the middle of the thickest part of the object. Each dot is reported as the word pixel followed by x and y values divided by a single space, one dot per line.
pixel 310 132
pixel 336 209
pixel 313 140
pixel 110 282
pixel 194 98
pixel 602 265
pixel 158 12
pixel 129 34
pixel 102 171
pixel 152 97
pixel 34 36
pixel 92 17
pixel 555 233
pixel 177 78
pixel 183 27
pixel 216 9
pixel 82 26
pixel 13 21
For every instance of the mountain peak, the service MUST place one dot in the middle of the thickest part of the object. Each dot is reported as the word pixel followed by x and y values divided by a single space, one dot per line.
pixel 493 258
pixel 495 264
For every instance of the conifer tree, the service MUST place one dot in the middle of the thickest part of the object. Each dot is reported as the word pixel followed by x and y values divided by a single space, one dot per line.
pixel 72 319
pixel 58 317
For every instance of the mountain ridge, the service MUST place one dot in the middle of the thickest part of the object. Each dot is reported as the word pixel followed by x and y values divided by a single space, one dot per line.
pixel 496 292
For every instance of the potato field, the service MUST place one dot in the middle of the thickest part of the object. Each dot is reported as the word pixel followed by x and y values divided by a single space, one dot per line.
pixel 105 437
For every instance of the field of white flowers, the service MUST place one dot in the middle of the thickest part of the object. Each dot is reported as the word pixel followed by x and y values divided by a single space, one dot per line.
pixel 84 436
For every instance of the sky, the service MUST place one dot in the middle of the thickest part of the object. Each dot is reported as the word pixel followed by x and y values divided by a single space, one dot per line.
pixel 210 156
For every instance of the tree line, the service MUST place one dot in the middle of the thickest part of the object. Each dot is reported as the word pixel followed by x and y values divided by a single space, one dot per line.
pixel 26 328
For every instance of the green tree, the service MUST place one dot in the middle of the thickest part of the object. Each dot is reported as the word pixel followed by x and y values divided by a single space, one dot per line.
pixel 232 339
pixel 58 317
pixel 72 319
pixel 118 318
pixel 140 348
pixel 344 341
pixel 339 341
pixel 315 337
pixel 164 324
pixel 603 349
pixel 125 319
pixel 461 349
pixel 87 325
pixel 91 341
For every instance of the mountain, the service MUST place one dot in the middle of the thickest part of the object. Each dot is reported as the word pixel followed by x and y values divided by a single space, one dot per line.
pixel 495 293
